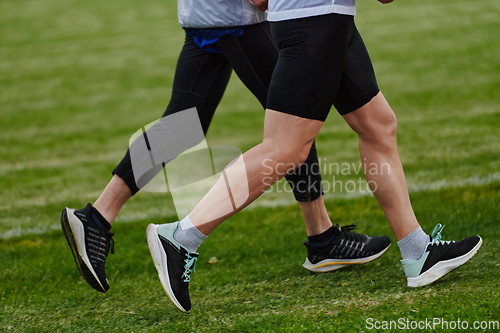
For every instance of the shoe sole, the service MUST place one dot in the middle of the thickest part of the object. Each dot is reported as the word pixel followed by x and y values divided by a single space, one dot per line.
pixel 442 268
pixel 329 265
pixel 75 236
pixel 160 261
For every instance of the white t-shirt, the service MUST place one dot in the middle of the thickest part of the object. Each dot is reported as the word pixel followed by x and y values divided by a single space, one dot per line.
pixel 280 10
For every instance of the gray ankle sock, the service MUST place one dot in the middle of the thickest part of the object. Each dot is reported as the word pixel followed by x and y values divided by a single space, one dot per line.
pixel 188 235
pixel 414 244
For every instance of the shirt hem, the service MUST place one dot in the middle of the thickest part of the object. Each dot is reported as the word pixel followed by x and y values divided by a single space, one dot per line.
pixel 311 11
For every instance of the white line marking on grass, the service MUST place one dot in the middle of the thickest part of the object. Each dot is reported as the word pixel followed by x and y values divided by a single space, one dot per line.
pixel 444 184
pixel 272 203
pixel 412 188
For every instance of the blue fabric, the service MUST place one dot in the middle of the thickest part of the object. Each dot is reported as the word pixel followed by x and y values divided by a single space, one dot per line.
pixel 206 44
pixel 205 38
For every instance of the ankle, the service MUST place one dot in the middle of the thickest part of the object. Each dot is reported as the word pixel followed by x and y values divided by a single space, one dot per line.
pixel 413 246
pixel 99 219
pixel 188 235
pixel 322 239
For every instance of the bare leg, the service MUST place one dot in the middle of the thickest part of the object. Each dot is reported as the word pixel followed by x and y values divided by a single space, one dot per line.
pixel 112 199
pixel 376 124
pixel 315 216
pixel 287 141
pixel 117 193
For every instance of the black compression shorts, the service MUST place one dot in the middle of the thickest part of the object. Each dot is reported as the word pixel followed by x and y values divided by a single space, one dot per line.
pixel 322 61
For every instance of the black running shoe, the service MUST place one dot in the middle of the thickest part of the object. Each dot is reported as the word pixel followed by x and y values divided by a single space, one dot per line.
pixel 173 263
pixel 439 258
pixel 89 243
pixel 346 248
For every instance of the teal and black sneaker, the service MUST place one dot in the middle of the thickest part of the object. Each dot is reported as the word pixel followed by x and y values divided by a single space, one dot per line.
pixel 173 263
pixel 439 258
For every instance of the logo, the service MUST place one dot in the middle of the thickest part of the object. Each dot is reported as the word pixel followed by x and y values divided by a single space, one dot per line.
pixel 172 155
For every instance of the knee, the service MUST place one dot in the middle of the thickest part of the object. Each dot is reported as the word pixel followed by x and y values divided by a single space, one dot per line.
pixel 381 130
pixel 390 125
pixel 289 154
pixel 300 154
pixel 294 154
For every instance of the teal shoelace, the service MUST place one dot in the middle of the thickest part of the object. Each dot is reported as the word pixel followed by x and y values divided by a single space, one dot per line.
pixel 436 235
pixel 188 267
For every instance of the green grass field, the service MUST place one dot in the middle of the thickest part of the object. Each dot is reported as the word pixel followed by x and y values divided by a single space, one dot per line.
pixel 78 78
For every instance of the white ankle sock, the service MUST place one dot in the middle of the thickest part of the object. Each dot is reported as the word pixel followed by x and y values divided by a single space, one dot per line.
pixel 414 244
pixel 188 235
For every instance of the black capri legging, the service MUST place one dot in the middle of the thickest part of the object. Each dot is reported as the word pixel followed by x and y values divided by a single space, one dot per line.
pixel 200 81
